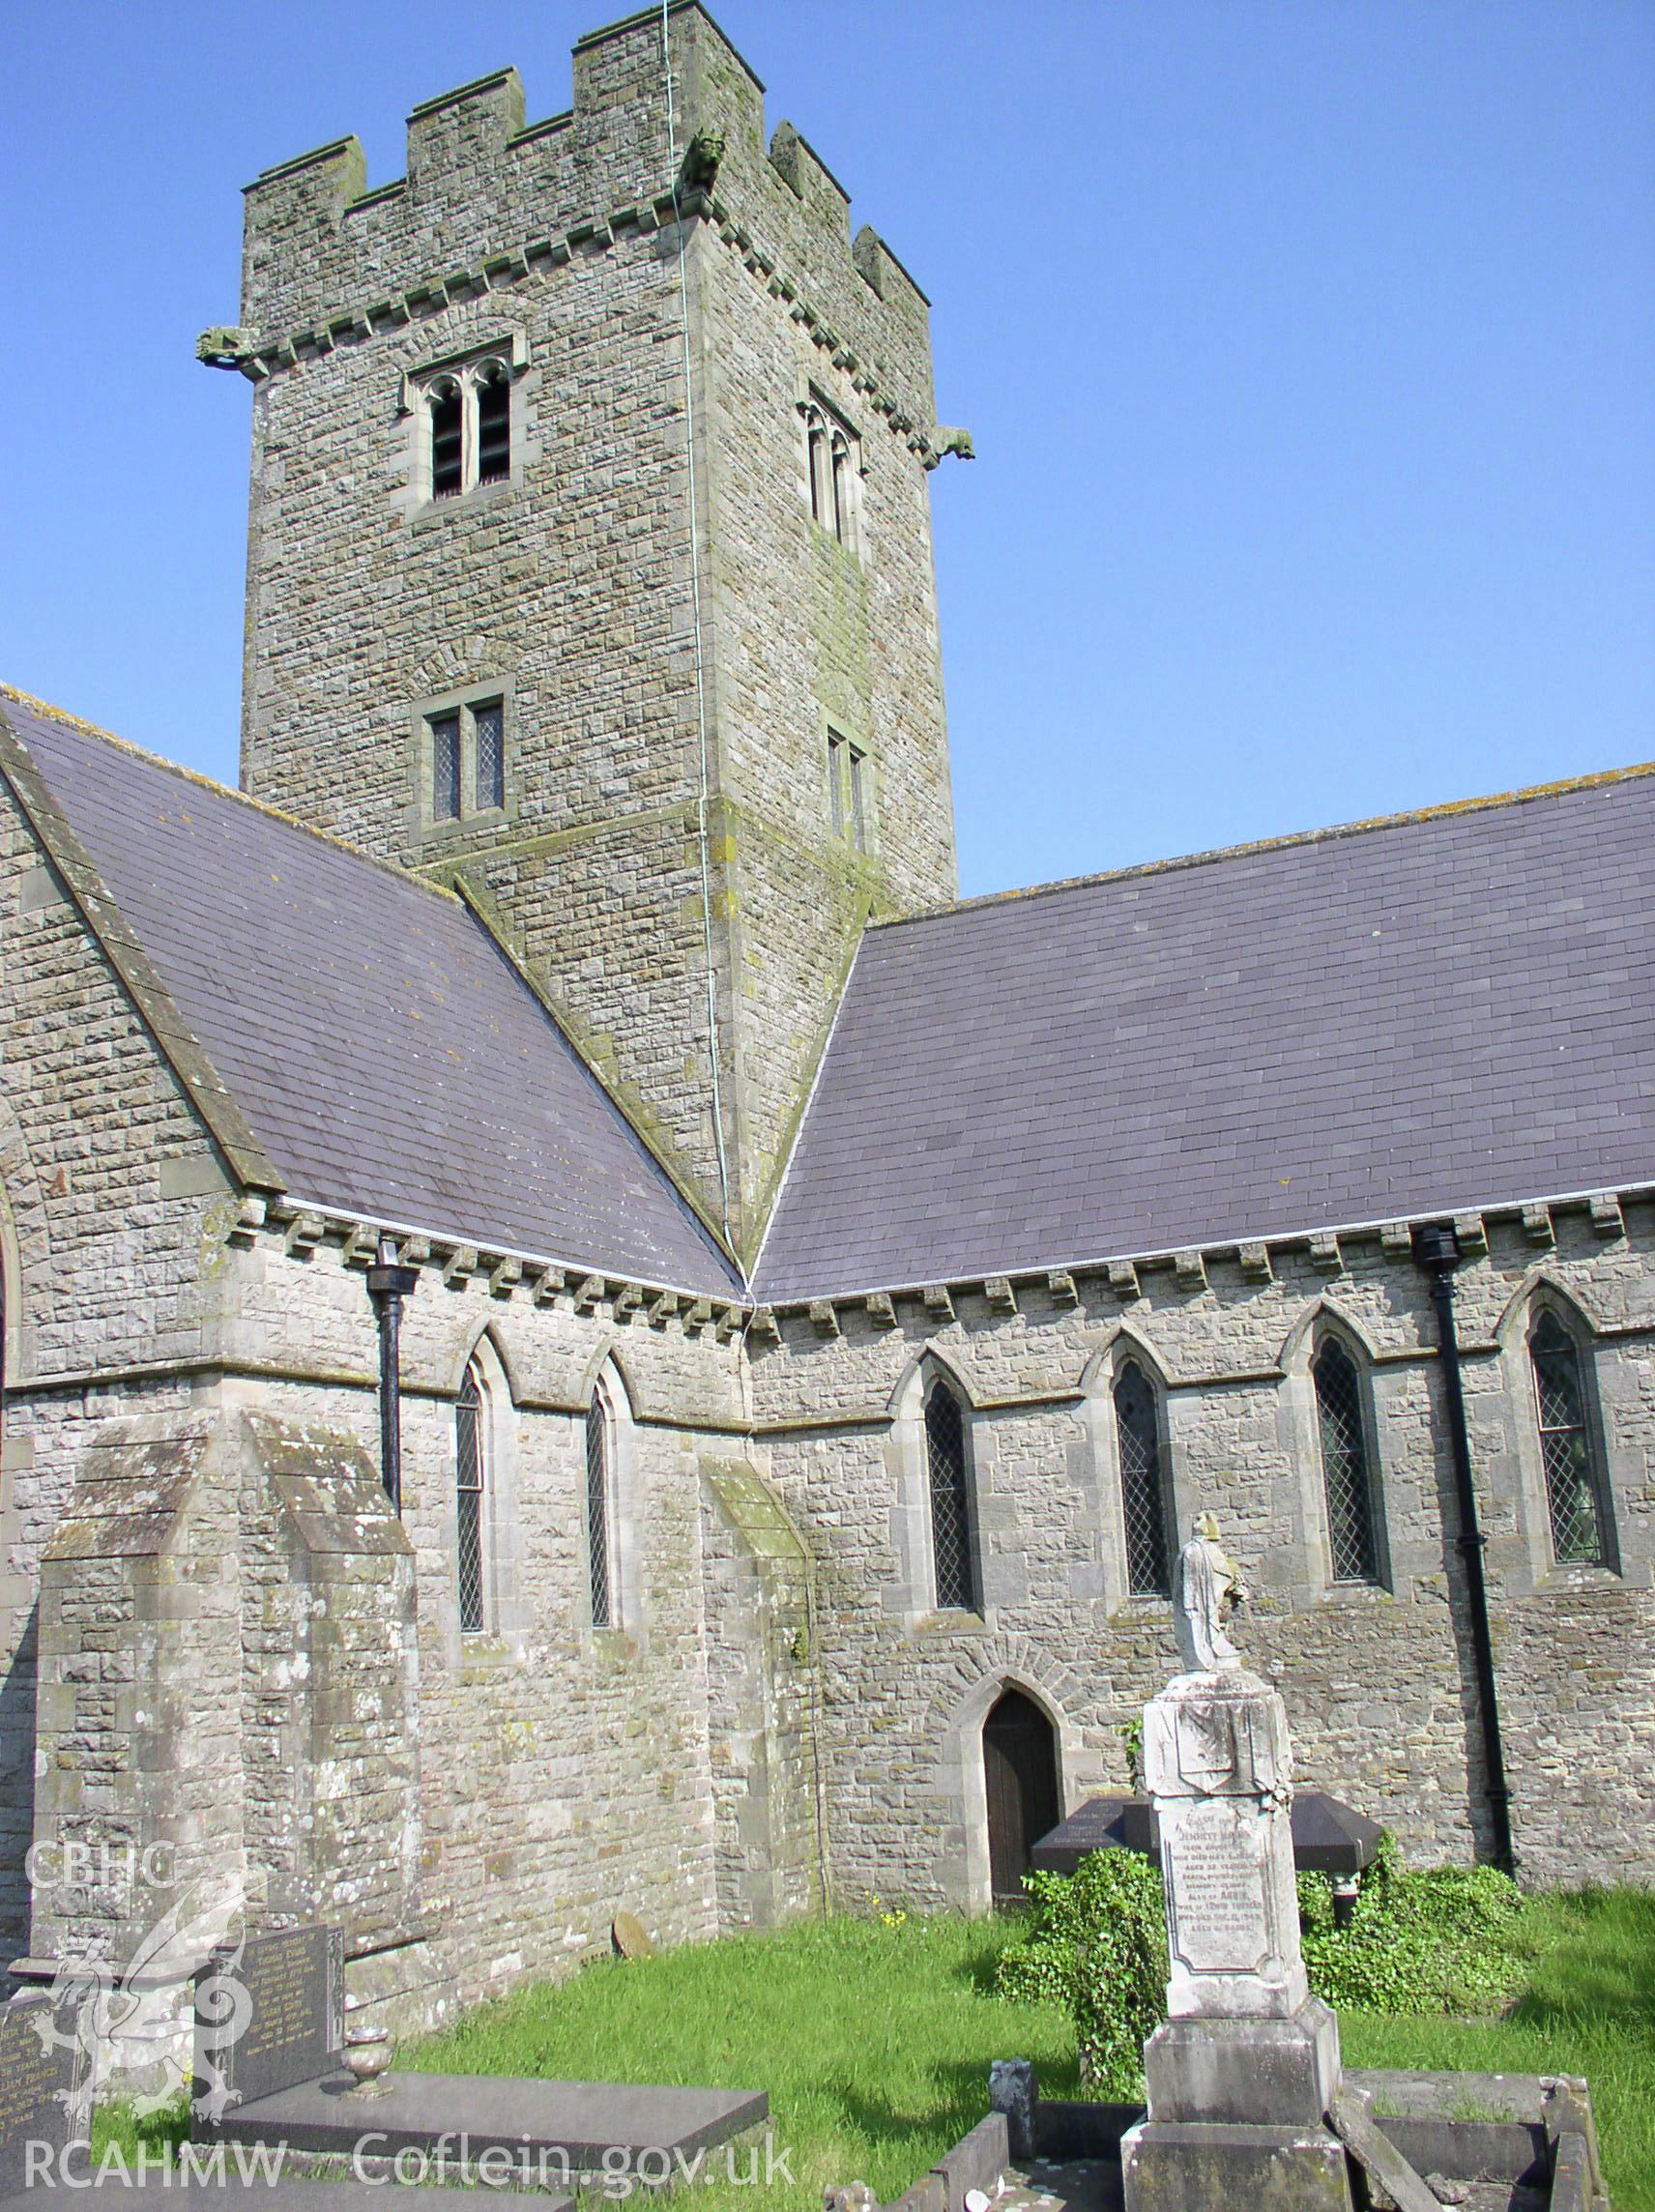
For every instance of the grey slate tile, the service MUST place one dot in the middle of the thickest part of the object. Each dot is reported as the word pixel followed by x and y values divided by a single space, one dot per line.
pixel 1223 1049
pixel 389 1057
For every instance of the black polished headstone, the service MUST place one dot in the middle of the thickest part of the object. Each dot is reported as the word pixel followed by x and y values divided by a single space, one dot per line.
pixel 268 2016
pixel 1328 1837
pixel 36 2083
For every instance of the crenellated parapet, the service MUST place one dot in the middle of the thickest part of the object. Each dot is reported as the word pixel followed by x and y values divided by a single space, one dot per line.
pixel 489 201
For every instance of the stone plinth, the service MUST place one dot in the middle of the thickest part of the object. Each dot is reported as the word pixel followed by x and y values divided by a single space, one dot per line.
pixel 1240 2078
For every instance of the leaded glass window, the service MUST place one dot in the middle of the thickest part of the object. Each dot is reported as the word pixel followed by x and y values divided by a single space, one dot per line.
pixel 1344 1471
pixel 446 767
pixel 1565 1442
pixel 469 1472
pixel 1142 1487
pixel 600 1557
pixel 952 1549
pixel 488 729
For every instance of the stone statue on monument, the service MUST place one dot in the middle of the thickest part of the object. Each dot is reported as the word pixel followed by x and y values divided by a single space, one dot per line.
pixel 1240 2078
pixel 1208 1586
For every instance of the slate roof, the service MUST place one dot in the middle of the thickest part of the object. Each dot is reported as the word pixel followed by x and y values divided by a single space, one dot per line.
pixel 1436 1014
pixel 389 1059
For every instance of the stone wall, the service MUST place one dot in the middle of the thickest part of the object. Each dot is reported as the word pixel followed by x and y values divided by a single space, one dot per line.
pixel 636 848
pixel 113 1208
pixel 563 1770
pixel 1378 1679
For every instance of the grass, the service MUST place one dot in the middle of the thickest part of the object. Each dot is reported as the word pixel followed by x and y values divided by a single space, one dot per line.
pixel 874 2038
pixel 874 2042
pixel 1589 2008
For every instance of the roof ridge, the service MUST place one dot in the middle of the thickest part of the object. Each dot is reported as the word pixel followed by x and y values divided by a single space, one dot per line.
pixel 1285 843
pixel 223 790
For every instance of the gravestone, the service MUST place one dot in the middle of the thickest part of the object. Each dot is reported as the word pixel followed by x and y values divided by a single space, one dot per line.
pixel 630 1937
pixel 1241 2076
pixel 37 2082
pixel 269 2014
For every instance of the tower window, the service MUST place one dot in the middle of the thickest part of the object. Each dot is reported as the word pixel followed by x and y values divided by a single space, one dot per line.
pixel 469 1474
pixel 1143 1486
pixel 1573 1499
pixel 599 1551
pixel 953 1551
pixel 467 416
pixel 446 767
pixel 488 729
pixel 448 440
pixel 848 789
pixel 833 460
pixel 1344 1471
pixel 493 426
pixel 468 760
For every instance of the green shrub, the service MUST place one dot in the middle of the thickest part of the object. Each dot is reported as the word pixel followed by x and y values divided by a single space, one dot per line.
pixel 1445 1940
pixel 1097 1943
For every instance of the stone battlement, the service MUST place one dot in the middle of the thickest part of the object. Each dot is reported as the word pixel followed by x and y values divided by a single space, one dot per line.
pixel 487 192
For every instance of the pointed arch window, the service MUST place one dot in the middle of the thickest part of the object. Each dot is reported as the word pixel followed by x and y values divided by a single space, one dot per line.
pixel 470 1474
pixel 953 1547
pixel 1143 1482
pixel 820 467
pixel 1573 1494
pixel 493 423
pixel 1345 1472
pixel 447 438
pixel 468 427
pixel 600 1515
pixel 834 458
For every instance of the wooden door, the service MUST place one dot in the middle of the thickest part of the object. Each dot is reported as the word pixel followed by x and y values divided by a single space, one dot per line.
pixel 1020 1772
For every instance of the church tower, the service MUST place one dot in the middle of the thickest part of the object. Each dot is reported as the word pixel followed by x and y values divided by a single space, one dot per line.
pixel 589 563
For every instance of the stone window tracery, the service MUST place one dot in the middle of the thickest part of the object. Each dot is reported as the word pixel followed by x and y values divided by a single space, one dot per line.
pixel 467 744
pixel 1575 1503
pixel 466 418
pixel 833 457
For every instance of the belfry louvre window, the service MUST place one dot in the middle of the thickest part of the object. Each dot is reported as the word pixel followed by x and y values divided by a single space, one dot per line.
pixel 1345 1473
pixel 1142 1489
pixel 468 760
pixel 448 439
pixel 952 1551
pixel 468 428
pixel 470 1474
pixel 1572 1488
pixel 833 457
pixel 493 426
pixel 599 1551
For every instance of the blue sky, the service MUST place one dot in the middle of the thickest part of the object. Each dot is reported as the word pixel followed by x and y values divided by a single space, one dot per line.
pixel 1309 348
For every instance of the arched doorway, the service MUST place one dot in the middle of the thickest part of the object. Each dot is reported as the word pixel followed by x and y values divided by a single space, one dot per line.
pixel 1020 1777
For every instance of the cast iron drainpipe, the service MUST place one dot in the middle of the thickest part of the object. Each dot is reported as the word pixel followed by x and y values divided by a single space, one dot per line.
pixel 388 1284
pixel 1436 1248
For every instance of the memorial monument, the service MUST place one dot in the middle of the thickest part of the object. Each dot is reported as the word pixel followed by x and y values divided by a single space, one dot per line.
pixel 1241 2076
